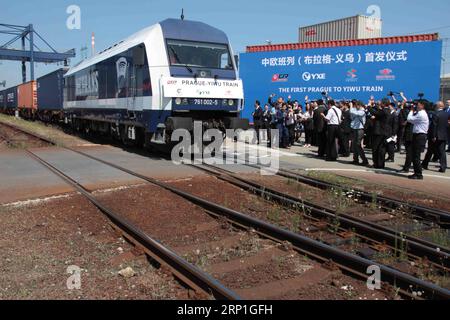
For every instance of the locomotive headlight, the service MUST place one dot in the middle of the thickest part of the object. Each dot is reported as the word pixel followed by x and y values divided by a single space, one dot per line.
pixel 231 102
pixel 178 101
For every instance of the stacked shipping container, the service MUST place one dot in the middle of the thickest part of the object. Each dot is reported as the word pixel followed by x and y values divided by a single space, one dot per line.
pixel 357 27
pixel 45 94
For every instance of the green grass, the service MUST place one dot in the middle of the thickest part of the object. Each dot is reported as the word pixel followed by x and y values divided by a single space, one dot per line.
pixel 274 214
pixel 437 236
pixel 333 178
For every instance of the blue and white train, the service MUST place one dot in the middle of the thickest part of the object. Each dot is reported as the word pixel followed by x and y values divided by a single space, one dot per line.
pixel 158 80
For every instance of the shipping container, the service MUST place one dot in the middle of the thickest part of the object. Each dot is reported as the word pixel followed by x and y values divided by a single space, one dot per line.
pixel 27 96
pixel 11 98
pixel 357 27
pixel 344 43
pixel 50 90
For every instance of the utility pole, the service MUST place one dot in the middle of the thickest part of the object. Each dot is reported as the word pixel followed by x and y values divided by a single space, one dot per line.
pixel 93 43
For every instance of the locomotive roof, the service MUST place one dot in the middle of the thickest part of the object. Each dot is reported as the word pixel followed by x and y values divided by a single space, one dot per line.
pixel 171 29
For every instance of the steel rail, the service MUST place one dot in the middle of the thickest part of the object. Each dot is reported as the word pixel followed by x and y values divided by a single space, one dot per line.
pixel 421 248
pixel 191 275
pixel 438 216
pixel 441 217
pixel 182 269
pixel 308 246
pixel 346 261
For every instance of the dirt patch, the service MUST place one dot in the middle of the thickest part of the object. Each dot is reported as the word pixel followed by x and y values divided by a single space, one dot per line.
pixel 344 203
pixel 237 256
pixel 298 220
pixel 51 132
pixel 163 215
pixel 39 242
pixel 19 139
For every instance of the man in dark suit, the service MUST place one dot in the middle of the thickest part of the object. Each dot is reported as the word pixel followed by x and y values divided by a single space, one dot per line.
pixel 320 128
pixel 402 122
pixel 258 118
pixel 448 132
pixel 392 130
pixel 345 131
pixel 438 137
pixel 380 133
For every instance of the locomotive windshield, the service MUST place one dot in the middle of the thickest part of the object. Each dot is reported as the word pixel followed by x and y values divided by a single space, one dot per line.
pixel 199 55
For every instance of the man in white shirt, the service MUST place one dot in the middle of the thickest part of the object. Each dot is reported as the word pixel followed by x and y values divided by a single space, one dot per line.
pixel 333 119
pixel 420 121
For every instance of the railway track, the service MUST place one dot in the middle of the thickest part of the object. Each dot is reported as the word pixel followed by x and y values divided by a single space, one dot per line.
pixel 21 138
pixel 417 248
pixel 406 284
pixel 440 217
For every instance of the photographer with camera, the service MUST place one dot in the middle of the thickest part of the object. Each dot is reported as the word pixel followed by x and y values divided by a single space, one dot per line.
pixel 418 117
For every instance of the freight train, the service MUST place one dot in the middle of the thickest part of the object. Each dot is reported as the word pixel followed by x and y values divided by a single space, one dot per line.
pixel 143 88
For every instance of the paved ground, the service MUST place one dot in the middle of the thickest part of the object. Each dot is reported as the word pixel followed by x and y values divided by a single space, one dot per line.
pixel 24 178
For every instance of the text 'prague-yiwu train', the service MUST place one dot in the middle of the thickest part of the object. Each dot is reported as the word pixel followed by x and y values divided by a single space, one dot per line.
pixel 143 88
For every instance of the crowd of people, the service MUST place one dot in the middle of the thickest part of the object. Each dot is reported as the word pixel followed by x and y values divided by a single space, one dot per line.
pixel 343 128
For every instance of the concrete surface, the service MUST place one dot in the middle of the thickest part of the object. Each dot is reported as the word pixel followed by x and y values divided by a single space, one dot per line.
pixel 23 178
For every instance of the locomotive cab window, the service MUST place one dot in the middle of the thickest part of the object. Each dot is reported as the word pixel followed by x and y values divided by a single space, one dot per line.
pixel 199 54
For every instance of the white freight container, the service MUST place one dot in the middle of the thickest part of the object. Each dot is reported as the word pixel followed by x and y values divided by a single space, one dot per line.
pixel 357 27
